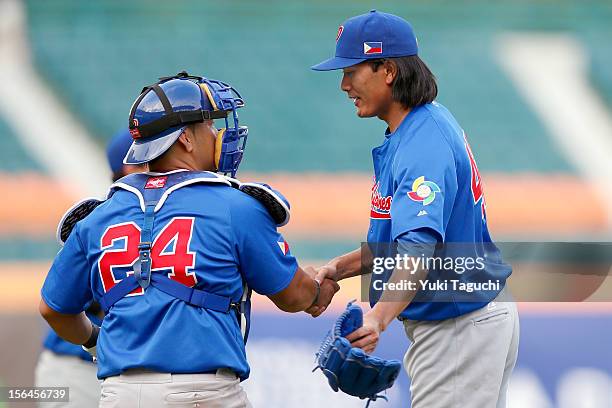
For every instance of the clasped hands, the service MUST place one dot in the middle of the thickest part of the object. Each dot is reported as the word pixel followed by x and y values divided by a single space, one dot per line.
pixel 328 285
pixel 367 336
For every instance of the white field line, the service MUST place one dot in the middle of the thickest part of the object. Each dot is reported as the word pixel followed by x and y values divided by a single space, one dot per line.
pixel 44 126
pixel 550 70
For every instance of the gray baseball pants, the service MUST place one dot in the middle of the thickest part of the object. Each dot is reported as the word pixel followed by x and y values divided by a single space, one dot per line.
pixel 465 361
pixel 57 370
pixel 139 388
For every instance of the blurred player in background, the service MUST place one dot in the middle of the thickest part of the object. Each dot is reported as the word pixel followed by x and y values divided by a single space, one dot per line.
pixel 115 153
pixel 63 364
pixel 175 281
pixel 427 190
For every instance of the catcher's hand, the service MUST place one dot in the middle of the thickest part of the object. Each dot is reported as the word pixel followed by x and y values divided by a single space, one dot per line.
pixel 92 351
pixel 327 289
pixel 91 343
pixel 349 368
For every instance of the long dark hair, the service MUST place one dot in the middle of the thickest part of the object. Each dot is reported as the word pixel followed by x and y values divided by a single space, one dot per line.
pixel 414 83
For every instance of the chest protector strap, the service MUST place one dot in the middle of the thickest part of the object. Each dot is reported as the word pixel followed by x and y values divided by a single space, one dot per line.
pixel 152 192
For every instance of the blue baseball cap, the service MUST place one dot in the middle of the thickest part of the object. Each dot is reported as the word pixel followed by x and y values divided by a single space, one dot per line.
pixel 117 149
pixel 372 35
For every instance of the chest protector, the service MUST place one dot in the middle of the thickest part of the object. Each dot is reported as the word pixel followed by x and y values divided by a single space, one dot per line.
pixel 152 192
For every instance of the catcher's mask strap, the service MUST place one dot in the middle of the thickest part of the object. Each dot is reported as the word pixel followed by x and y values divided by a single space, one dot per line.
pixel 181 75
pixel 174 119
pixel 162 98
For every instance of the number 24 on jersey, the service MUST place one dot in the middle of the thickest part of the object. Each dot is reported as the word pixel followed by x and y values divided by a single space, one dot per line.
pixel 170 251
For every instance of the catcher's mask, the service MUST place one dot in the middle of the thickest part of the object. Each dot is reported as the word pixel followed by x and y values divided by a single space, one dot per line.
pixel 163 110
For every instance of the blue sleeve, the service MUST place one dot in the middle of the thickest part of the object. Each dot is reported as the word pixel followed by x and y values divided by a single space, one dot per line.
pixel 263 254
pixel 66 288
pixel 420 242
pixel 425 181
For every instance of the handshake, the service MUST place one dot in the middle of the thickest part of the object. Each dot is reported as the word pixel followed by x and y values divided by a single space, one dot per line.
pixel 327 288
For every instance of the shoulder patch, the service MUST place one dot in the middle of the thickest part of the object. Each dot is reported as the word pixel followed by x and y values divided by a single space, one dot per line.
pixel 424 191
pixel 284 247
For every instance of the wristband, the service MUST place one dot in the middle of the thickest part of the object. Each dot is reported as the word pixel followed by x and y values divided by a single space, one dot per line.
pixel 93 338
pixel 318 292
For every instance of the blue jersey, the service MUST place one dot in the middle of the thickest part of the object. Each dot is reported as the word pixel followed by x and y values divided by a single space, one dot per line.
pixel 426 179
pixel 208 236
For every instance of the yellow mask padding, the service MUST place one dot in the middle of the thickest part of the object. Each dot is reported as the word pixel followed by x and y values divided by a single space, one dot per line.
pixel 209 95
pixel 218 146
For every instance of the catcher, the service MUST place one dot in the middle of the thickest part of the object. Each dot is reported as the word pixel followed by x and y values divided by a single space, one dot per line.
pixel 172 255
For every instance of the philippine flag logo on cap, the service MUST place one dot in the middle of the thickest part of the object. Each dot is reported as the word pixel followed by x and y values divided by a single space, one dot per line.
pixel 372 48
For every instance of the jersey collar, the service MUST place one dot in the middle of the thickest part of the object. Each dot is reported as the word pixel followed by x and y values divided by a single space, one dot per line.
pixel 406 119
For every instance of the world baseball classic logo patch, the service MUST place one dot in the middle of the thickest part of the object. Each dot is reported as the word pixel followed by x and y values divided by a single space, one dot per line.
pixel 423 191
pixel 156 182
